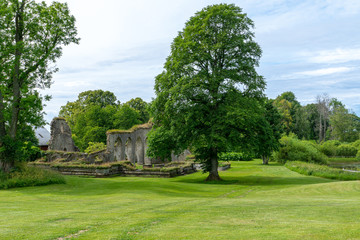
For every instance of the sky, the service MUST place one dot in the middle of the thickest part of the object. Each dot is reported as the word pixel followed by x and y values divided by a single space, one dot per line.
pixel 310 47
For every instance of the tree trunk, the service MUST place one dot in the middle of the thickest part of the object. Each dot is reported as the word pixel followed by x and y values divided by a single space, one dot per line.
pixel 320 129
pixel 213 174
pixel 6 166
pixel 265 160
pixel 16 72
pixel 324 132
pixel 2 129
pixel 8 163
pixel 2 119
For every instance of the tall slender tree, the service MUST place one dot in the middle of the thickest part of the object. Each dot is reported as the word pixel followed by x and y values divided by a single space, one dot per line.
pixel 323 103
pixel 31 39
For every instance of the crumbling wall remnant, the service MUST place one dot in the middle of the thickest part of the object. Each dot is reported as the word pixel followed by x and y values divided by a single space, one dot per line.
pixel 132 145
pixel 61 139
pixel 121 144
pixel 129 144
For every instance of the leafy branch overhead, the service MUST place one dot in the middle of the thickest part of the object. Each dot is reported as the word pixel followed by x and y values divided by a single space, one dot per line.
pixel 31 40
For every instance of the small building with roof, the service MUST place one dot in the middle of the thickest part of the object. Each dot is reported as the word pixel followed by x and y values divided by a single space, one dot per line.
pixel 43 136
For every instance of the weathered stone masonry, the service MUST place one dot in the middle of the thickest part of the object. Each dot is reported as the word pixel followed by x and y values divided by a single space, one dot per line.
pixel 61 139
pixel 132 145
pixel 129 144
pixel 121 144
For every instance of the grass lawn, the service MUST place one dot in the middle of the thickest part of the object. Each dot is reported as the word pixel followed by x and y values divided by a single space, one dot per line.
pixel 254 202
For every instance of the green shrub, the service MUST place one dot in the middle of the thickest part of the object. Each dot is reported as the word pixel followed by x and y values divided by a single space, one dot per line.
pixel 356 144
pixel 346 150
pixel 358 155
pixel 3 176
pixel 317 170
pixel 224 164
pixel 329 147
pixel 314 144
pixel 235 156
pixel 30 152
pixel 95 147
pixel 24 176
pixel 293 149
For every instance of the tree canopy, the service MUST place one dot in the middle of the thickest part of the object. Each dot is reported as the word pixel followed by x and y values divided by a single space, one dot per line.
pixel 209 91
pixel 31 39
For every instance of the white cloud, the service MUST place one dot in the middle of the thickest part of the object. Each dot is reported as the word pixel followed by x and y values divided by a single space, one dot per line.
pixel 314 73
pixel 338 55
pixel 324 71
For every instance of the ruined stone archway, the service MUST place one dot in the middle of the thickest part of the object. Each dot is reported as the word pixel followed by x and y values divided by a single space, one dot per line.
pixel 139 151
pixel 147 160
pixel 133 145
pixel 129 150
pixel 117 149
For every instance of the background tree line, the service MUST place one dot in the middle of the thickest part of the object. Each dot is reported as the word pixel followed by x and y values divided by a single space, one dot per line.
pixel 326 119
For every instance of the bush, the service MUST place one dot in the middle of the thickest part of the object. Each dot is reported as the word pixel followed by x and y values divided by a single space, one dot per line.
pixel 317 170
pixel 25 176
pixel 329 147
pixel 356 144
pixel 293 149
pixel 30 152
pixel 358 155
pixel 95 147
pixel 235 156
pixel 346 150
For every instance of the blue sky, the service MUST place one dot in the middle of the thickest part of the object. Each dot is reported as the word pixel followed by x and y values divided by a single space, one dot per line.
pixel 309 47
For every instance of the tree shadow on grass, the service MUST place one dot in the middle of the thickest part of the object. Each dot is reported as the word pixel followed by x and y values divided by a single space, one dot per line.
pixel 184 186
pixel 260 180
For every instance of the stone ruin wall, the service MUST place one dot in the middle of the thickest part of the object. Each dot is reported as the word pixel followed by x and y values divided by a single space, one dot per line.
pixel 121 144
pixel 132 145
pixel 60 137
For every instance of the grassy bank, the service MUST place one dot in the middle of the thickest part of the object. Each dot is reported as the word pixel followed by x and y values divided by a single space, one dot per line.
pixel 317 170
pixel 254 202
pixel 25 176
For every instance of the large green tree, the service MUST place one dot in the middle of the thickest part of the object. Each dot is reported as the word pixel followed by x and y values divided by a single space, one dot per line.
pixel 141 107
pixel 323 104
pixel 208 94
pixel 344 125
pixel 31 39
pixel 288 107
pixel 85 101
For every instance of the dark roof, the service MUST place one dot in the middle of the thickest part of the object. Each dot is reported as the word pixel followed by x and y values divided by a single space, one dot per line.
pixel 43 135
